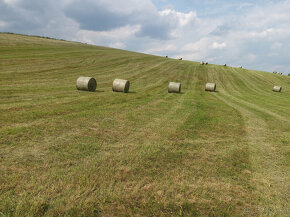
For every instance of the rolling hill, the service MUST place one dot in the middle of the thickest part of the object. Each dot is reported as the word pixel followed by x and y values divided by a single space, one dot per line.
pixel 65 152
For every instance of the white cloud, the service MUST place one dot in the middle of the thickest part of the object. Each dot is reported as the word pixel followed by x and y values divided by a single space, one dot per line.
pixel 182 19
pixel 11 2
pixel 217 45
pixel 107 38
pixel 162 48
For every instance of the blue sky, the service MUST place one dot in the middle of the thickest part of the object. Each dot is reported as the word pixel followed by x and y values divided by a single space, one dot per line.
pixel 251 33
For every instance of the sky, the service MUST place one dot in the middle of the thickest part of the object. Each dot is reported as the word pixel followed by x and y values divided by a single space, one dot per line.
pixel 254 34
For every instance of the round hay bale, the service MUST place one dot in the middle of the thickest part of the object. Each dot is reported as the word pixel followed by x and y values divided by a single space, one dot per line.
pixel 201 63
pixel 86 83
pixel 206 63
pixel 225 64
pixel 210 87
pixel 180 59
pixel 274 72
pixel 174 87
pixel 277 89
pixel 166 56
pixel 120 85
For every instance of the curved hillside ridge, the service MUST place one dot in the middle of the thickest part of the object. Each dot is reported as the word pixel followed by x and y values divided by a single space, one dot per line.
pixel 34 39
pixel 138 150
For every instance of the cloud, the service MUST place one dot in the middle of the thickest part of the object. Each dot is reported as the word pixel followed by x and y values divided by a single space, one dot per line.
pixel 107 15
pixel 165 47
pixel 217 45
pixel 98 15
pixel 3 24
pixel 180 19
pixel 32 16
pixel 109 38
pixel 10 2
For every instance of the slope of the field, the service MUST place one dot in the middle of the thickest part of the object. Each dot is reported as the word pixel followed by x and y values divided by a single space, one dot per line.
pixel 65 152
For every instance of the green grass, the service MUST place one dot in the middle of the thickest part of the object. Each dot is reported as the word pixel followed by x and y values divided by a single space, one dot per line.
pixel 65 152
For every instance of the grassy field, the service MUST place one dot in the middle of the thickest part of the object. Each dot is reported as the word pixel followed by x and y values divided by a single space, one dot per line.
pixel 65 152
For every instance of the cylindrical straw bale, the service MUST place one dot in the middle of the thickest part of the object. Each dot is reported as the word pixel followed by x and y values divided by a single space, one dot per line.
pixel 174 87
pixel 225 64
pixel 86 83
pixel 210 87
pixel 201 63
pixel 120 85
pixel 206 63
pixel 277 89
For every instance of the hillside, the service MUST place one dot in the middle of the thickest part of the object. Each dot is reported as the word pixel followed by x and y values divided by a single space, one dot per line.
pixel 65 152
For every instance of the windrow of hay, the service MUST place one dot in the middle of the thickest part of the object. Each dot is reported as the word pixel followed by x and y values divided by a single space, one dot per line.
pixel 174 87
pixel 210 87
pixel 86 83
pixel 120 85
